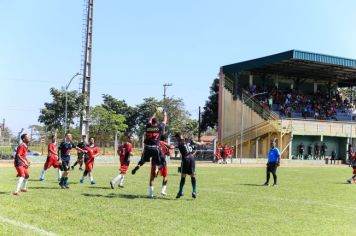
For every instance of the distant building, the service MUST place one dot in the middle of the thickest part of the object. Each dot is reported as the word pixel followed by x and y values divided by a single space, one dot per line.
pixel 292 96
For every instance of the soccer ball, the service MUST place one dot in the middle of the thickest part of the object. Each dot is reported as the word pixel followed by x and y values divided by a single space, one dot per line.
pixel 159 110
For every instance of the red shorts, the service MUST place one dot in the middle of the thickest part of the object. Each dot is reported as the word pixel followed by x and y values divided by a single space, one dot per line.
pixel 123 168
pixel 354 171
pixel 22 171
pixel 89 165
pixel 162 172
pixel 51 162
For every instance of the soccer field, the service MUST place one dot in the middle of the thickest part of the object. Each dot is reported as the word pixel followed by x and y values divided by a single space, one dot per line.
pixel 307 201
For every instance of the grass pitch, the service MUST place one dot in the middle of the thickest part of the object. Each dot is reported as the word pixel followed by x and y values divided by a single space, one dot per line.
pixel 307 201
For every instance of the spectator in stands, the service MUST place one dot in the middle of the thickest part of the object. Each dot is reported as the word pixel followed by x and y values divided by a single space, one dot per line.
pixel 310 149
pixel 323 150
pixel 300 151
pixel 333 157
pixel 316 151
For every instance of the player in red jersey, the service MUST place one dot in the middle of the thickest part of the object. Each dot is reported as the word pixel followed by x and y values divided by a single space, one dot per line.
pixel 353 165
pixel 225 153
pixel 166 149
pixel 22 164
pixel 125 152
pixel 52 159
pixel 89 157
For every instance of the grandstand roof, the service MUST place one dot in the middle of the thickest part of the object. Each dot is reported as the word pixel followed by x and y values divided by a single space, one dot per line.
pixel 301 64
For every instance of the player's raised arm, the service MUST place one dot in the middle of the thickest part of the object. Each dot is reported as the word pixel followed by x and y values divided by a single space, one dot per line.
pixel 164 117
pixel 151 118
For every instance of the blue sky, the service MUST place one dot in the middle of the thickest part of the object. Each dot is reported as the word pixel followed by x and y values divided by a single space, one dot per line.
pixel 139 45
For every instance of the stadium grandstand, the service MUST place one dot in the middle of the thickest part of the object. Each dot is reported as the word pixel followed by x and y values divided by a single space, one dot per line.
pixel 295 96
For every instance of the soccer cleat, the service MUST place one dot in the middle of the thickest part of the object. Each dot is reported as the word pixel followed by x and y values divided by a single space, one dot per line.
pixel 163 193
pixel 111 185
pixel 80 168
pixel 349 181
pixel 82 181
pixel 121 186
pixel 135 169
pixel 179 195
pixel 24 190
pixel 194 195
pixel 16 194
pixel 41 179
pixel 265 184
pixel 92 182
pixel 275 185
pixel 66 186
pixel 72 167
pixel 62 187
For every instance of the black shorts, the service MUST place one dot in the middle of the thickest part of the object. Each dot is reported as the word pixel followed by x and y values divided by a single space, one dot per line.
pixel 151 151
pixel 80 157
pixel 65 166
pixel 188 165
pixel 272 167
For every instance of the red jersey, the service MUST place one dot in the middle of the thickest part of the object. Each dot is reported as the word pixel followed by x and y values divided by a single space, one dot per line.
pixel 92 152
pixel 52 149
pixel 21 155
pixel 165 148
pixel 125 150
pixel 225 151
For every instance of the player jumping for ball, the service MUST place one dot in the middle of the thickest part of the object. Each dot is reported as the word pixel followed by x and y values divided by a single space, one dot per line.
pixel 52 159
pixel 125 152
pixel 22 164
pixel 151 149
pixel 165 150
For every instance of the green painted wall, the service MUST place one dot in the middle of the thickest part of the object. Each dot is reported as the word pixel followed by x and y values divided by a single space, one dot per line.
pixel 331 142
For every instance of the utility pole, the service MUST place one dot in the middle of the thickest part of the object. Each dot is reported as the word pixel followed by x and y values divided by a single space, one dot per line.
pixel 199 126
pixel 84 118
pixel 165 90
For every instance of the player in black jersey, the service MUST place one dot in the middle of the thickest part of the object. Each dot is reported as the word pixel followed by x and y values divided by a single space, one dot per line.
pixel 151 149
pixel 188 164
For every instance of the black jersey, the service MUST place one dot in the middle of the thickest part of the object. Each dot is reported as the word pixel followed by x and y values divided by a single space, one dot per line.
pixel 153 133
pixel 185 148
pixel 65 148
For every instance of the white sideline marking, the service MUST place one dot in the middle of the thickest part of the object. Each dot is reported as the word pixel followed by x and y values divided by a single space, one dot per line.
pixel 26 226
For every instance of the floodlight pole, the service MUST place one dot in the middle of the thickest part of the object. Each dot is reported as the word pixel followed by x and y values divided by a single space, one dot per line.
pixel 242 119
pixel 165 90
pixel 66 104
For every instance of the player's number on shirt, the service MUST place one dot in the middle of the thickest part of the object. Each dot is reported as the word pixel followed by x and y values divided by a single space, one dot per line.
pixel 154 136
pixel 188 148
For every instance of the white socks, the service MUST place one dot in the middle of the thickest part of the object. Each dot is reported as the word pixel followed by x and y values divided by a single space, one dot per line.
pixel 25 183
pixel 91 177
pixel 150 192
pixel 19 182
pixel 43 174
pixel 59 173
pixel 122 180
pixel 117 178
pixel 163 191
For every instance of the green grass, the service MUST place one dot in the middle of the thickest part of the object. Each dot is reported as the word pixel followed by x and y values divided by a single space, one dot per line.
pixel 308 201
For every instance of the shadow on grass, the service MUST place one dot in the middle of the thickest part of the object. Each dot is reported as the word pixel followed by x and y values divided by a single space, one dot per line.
pixel 128 196
pixel 3 193
pixel 253 185
pixel 98 187
pixel 45 187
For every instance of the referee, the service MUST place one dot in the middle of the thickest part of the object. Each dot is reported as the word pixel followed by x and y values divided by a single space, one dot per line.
pixel 274 156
